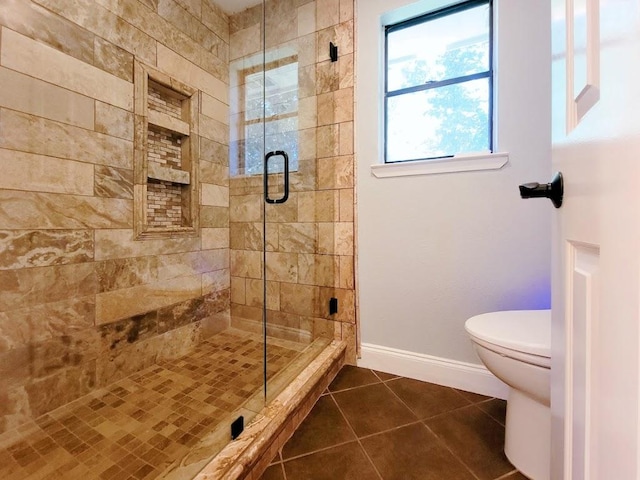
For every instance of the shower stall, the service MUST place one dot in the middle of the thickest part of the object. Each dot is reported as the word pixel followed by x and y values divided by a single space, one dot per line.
pixel 176 225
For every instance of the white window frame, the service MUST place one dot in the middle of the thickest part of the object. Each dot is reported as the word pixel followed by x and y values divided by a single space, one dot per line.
pixel 494 160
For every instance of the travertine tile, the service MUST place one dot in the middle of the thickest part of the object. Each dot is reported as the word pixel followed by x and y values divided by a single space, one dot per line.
pixel 255 294
pixel 345 71
pixel 43 62
pixel 216 281
pixel 119 243
pixel 29 95
pixel 37 135
pixel 238 290
pixel 346 138
pixel 336 172
pixel 214 217
pixel 214 108
pixel 246 264
pixel 343 105
pixel 191 26
pixel 37 323
pixel 344 238
pixel 214 18
pixel 213 129
pixel 166 34
pixel 114 121
pixel 35 286
pixel 104 23
pixel 299 299
pixel 214 173
pixel 246 208
pixel 186 264
pixel 113 59
pixel 194 7
pixel 245 42
pixel 40 24
pixel 347 272
pixel 247 236
pixel 326 108
pixel 317 270
pixel 306 19
pixel 215 238
pixel 346 205
pixel 327 142
pixel 327 76
pixel 27 210
pixel 282 267
pixel 327 13
pixel 341 35
pixel 122 273
pixel 281 22
pixel 38 173
pixel 346 10
pixel 113 182
pixel 307 112
pixel 306 84
pixel 297 237
pixel 214 195
pixel 118 304
pixel 326 242
pixel 183 70
pixel 307 54
pixel 307 149
pixel 41 248
pixel 318 206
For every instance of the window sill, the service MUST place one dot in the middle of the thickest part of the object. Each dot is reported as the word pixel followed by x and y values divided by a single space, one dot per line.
pixel 461 163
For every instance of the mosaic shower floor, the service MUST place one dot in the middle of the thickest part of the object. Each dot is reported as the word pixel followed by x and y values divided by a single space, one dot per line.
pixel 165 422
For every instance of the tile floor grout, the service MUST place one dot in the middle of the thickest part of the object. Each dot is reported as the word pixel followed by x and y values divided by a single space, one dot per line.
pixel 357 437
pixel 472 404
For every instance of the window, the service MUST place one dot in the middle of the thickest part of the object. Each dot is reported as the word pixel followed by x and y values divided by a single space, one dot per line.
pixel 270 92
pixel 438 83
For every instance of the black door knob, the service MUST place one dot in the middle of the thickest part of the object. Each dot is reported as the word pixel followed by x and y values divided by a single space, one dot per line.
pixel 553 190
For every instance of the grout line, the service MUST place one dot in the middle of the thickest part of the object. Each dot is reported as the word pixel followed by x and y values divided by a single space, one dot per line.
pixel 453 454
pixel 357 386
pixel 320 450
pixel 366 454
pixel 506 475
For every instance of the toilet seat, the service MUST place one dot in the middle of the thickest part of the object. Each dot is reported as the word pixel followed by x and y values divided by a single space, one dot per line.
pixel 523 335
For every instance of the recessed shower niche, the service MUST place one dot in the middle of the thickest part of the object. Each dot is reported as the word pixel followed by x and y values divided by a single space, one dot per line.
pixel 166 156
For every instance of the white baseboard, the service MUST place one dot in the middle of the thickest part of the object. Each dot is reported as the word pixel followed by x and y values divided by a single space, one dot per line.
pixel 441 371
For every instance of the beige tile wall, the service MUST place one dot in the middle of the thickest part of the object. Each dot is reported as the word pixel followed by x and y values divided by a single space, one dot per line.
pixel 310 238
pixel 81 302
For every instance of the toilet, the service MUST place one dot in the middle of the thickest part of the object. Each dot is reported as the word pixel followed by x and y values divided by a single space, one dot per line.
pixel 516 347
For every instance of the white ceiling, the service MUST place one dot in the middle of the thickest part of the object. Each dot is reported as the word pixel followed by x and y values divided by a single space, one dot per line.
pixel 235 6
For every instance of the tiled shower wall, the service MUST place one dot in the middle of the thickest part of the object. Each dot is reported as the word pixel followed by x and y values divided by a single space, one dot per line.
pixel 310 238
pixel 81 302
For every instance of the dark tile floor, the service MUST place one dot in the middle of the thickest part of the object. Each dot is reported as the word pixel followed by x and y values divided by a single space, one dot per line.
pixel 372 425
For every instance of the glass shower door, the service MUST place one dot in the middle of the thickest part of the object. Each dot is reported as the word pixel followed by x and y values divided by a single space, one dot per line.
pixel 282 211
pixel 300 208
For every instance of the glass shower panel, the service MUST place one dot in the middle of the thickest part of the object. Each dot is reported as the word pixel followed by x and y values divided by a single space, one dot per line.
pixel 300 267
pixel 283 262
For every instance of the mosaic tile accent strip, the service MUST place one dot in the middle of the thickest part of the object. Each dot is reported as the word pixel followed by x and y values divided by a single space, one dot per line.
pixel 164 147
pixel 163 103
pixel 164 204
pixel 143 426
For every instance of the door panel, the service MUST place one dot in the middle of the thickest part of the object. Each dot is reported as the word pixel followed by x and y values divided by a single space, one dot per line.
pixel 596 240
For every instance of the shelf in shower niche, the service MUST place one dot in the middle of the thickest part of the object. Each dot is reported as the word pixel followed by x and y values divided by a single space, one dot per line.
pixel 168 122
pixel 166 174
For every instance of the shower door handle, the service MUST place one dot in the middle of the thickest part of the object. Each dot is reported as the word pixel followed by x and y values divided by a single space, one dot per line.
pixel 285 196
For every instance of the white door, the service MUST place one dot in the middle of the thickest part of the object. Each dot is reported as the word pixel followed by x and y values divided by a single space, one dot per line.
pixel 595 395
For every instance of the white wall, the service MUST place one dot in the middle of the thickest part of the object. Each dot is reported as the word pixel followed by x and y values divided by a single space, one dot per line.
pixel 434 250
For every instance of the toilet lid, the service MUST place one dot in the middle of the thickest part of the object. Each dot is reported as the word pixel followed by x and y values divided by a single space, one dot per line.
pixel 527 331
